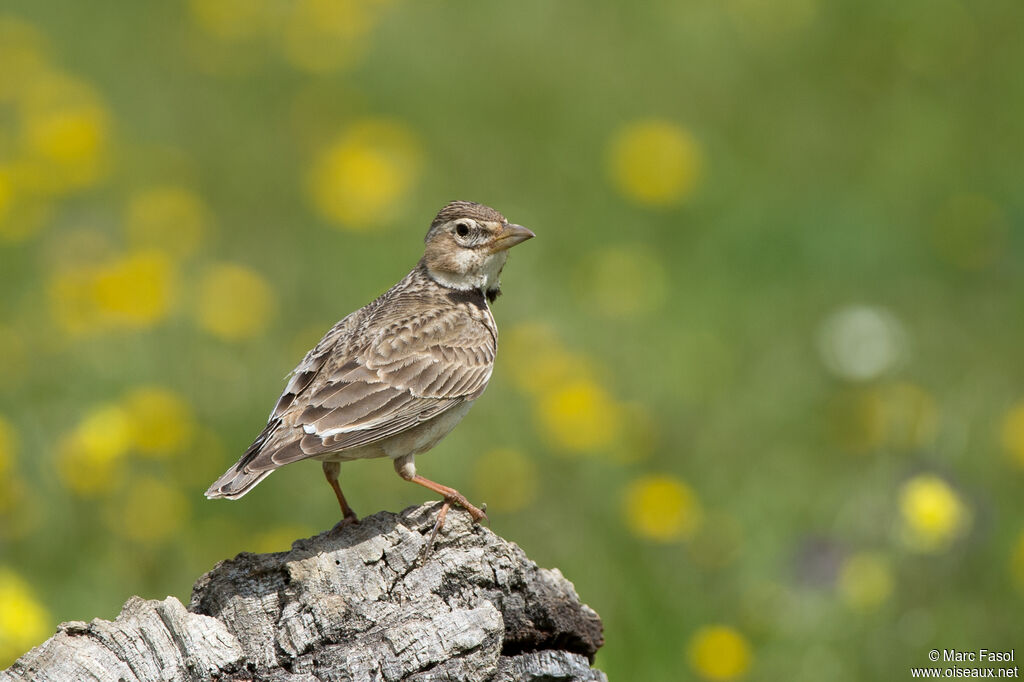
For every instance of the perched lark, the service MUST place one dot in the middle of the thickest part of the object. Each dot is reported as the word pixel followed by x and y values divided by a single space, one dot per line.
pixel 394 377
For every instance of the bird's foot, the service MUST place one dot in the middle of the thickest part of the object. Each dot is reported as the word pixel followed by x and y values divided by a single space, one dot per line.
pixel 350 519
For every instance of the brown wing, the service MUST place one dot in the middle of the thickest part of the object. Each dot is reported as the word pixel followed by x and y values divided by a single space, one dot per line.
pixel 411 370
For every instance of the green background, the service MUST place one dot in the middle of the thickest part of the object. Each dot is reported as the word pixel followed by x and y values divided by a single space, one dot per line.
pixel 850 163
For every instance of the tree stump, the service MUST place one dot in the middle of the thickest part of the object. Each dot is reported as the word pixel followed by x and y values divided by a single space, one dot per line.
pixel 357 603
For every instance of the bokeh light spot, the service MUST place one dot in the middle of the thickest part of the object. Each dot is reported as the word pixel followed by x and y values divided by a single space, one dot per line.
pixel 505 479
pixel 162 422
pixel 234 303
pixel 860 343
pixel 136 290
pixel 89 458
pixel 662 508
pixel 579 417
pixel 933 515
pixel 361 178
pixel 719 652
pixel 865 581
pixel 24 621
pixel 654 162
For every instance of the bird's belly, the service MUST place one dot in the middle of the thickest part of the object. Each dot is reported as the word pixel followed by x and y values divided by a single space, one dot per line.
pixel 425 436
pixel 412 442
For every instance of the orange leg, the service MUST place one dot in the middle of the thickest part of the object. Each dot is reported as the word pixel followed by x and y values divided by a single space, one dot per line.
pixel 451 496
pixel 331 470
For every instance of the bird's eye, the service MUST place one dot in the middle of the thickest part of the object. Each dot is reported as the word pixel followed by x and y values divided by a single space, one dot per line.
pixel 462 229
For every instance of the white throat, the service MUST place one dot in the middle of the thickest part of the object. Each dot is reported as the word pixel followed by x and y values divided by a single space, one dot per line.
pixel 484 276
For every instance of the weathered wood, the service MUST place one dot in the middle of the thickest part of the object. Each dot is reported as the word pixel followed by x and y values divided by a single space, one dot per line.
pixel 357 603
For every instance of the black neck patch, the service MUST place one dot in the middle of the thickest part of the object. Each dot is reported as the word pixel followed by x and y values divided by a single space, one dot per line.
pixel 471 296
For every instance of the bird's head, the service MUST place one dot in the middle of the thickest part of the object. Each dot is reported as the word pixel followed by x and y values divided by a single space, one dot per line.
pixel 467 246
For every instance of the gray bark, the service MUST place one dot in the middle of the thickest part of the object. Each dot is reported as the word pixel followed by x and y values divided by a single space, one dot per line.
pixel 357 603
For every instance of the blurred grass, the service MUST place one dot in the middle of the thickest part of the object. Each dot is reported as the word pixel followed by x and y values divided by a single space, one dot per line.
pixel 775 304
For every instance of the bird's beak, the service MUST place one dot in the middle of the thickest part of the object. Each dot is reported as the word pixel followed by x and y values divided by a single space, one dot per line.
pixel 511 235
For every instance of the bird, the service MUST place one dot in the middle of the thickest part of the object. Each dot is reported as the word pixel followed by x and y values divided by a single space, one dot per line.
pixel 396 376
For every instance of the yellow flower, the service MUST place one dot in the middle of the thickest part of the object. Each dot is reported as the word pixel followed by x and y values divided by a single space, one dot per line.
pixel 8 447
pixel 136 290
pixel 24 622
pixel 234 302
pixel 362 176
pixel 654 162
pixel 162 422
pixel 506 480
pixel 89 458
pixel 661 508
pixel 538 361
pixel 65 130
pixel 1013 433
pixel 1017 563
pixel 865 581
pixel 621 281
pixel 719 652
pixel 170 219
pixel 933 514
pixel 579 417
pixel 322 36
pixel 151 512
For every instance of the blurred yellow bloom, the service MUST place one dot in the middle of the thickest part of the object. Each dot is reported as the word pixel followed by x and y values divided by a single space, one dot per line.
pixel 136 290
pixel 719 652
pixel 6 193
pixel 170 219
pixel 151 512
pixel 66 130
pixel 1013 433
pixel 621 281
pixel 579 417
pixel 325 35
pixel 970 231
pixel 538 361
pixel 865 581
pixel 1017 563
pixel 8 447
pixel 362 176
pixel 24 622
pixel 89 458
pixel 933 514
pixel 505 479
pixel 162 423
pixel 280 538
pixel 662 508
pixel 234 302
pixel 232 20
pixel 654 162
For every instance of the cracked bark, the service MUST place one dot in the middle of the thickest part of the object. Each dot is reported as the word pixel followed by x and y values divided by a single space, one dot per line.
pixel 354 604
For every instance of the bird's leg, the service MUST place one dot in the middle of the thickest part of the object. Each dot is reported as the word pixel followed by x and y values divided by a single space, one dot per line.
pixel 407 470
pixel 331 470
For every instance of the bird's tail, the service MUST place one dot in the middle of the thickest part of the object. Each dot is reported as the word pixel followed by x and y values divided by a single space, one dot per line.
pixel 240 479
